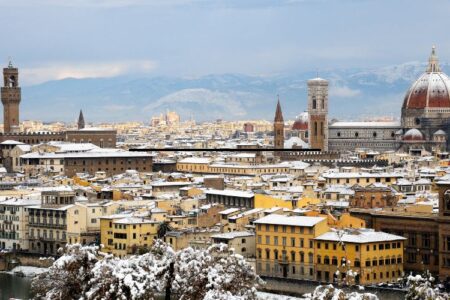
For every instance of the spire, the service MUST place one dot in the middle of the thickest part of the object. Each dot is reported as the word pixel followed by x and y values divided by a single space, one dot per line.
pixel 278 113
pixel 81 120
pixel 433 61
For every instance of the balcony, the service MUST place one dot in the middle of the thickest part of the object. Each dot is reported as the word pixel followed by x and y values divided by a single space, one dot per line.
pixel 47 225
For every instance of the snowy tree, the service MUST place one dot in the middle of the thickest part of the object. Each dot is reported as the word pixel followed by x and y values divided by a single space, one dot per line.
pixel 424 287
pixel 201 274
pixel 68 275
pixel 137 277
pixel 213 273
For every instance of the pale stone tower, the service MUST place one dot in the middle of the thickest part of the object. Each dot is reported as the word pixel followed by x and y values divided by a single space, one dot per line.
pixel 318 113
pixel 11 96
pixel 278 128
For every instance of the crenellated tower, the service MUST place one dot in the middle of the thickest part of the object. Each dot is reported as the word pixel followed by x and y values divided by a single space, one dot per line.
pixel 11 96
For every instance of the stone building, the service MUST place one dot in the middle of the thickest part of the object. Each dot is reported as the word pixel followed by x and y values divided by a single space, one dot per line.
pixel 318 113
pixel 110 161
pixel 278 128
pixel 424 125
pixel 11 96
pixel 48 221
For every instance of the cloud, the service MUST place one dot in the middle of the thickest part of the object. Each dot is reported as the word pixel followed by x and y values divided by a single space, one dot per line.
pixel 96 3
pixel 61 70
pixel 343 92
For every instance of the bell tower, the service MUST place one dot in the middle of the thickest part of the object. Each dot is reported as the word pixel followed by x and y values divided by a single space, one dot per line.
pixel 11 96
pixel 318 113
pixel 278 128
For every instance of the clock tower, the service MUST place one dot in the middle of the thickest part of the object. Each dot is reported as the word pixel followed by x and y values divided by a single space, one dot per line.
pixel 11 96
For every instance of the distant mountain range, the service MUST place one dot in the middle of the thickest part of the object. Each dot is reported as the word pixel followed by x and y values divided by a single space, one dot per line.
pixel 354 95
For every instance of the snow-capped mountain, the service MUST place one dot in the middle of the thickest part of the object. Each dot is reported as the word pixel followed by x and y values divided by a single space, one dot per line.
pixel 354 94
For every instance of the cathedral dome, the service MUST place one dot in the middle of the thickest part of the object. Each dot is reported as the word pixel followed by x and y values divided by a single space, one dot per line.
pixel 413 135
pixel 301 122
pixel 431 89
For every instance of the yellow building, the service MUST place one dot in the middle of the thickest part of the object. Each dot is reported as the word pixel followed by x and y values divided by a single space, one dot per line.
pixel 374 256
pixel 123 235
pixel 285 245
pixel 362 178
pixel 83 220
pixel 267 201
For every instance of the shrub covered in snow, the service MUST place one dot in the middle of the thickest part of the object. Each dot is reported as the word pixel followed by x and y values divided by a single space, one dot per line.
pixel 329 292
pixel 424 287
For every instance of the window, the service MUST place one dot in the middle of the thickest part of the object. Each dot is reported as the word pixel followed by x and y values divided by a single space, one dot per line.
pixel 426 240
pixel 292 242
pixel 374 262
pixel 267 239
pixel 334 261
pixel 293 256
pixel 412 239
pixel 367 263
pixel 302 256
pixel 275 240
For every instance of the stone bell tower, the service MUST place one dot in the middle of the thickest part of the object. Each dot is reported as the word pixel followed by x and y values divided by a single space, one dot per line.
pixel 278 127
pixel 318 113
pixel 11 96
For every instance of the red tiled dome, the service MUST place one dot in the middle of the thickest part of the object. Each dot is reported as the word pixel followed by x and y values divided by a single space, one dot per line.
pixel 301 122
pixel 431 90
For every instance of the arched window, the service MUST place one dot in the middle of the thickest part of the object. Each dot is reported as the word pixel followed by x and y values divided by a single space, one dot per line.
pixel 314 102
pixel 267 253
pixel 326 260
pixel 356 134
pixel 315 129
pixel 319 259
pixel 334 261
pixel 292 255
pixel 302 256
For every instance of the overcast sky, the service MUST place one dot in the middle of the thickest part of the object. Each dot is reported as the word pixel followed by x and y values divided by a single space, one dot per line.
pixel 52 39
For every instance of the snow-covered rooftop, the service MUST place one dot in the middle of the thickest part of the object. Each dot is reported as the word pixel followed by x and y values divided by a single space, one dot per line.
pixel 359 236
pixel 276 219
